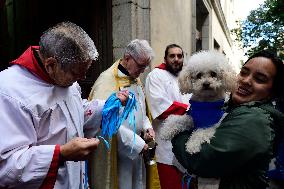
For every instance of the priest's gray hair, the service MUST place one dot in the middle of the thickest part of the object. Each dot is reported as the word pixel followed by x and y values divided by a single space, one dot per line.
pixel 69 44
pixel 140 50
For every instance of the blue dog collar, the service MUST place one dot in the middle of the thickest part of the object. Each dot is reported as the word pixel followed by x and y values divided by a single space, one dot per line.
pixel 205 114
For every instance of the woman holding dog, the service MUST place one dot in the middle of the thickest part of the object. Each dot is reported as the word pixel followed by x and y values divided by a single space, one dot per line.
pixel 245 142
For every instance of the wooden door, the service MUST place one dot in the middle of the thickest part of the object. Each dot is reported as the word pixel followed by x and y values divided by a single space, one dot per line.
pixel 24 21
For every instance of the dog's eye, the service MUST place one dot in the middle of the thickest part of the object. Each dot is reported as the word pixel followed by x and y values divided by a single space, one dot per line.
pixel 199 75
pixel 213 74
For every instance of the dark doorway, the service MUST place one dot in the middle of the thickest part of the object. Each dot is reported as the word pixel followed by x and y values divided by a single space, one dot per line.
pixel 23 21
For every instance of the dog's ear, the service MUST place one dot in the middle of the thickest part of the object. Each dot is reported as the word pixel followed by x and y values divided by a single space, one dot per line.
pixel 184 81
pixel 229 79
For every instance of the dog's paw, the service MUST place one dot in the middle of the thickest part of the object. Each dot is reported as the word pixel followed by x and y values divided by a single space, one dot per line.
pixel 198 137
pixel 175 124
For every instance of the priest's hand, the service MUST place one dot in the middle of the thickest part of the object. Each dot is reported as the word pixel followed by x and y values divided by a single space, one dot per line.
pixel 78 149
pixel 145 148
pixel 123 96
pixel 149 135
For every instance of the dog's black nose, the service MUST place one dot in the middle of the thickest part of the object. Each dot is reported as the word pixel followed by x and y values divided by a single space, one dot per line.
pixel 206 85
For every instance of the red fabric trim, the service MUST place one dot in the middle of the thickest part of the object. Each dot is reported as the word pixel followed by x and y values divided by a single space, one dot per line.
pixel 162 66
pixel 176 108
pixel 51 176
pixel 170 177
pixel 28 60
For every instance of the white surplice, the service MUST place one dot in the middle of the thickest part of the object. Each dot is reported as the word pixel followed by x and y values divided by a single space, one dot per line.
pixel 35 116
pixel 161 91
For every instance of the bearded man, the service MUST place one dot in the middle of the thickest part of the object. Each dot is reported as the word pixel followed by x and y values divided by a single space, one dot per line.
pixel 164 97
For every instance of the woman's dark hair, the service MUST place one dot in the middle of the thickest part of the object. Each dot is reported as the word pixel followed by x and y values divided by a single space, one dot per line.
pixel 278 81
pixel 169 47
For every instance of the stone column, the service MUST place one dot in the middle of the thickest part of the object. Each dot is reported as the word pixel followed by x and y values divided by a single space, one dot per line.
pixel 131 20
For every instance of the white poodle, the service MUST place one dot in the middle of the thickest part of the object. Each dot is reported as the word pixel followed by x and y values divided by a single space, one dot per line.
pixel 208 77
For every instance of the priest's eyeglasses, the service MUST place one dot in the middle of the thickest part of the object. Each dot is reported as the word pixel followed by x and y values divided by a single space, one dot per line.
pixel 139 66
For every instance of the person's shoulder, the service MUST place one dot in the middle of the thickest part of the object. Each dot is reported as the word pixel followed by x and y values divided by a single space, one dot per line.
pixel 158 73
pixel 104 85
pixel 260 107
pixel 10 72
pixel 252 112
pixel 105 77
pixel 108 73
pixel 248 108
pixel 17 81
pixel 246 119
pixel 159 70
pixel 75 88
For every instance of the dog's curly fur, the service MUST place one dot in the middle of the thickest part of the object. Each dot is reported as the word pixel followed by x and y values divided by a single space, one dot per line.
pixel 181 123
pixel 208 77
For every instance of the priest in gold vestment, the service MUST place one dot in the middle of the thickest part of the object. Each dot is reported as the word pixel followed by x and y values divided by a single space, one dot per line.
pixel 122 166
